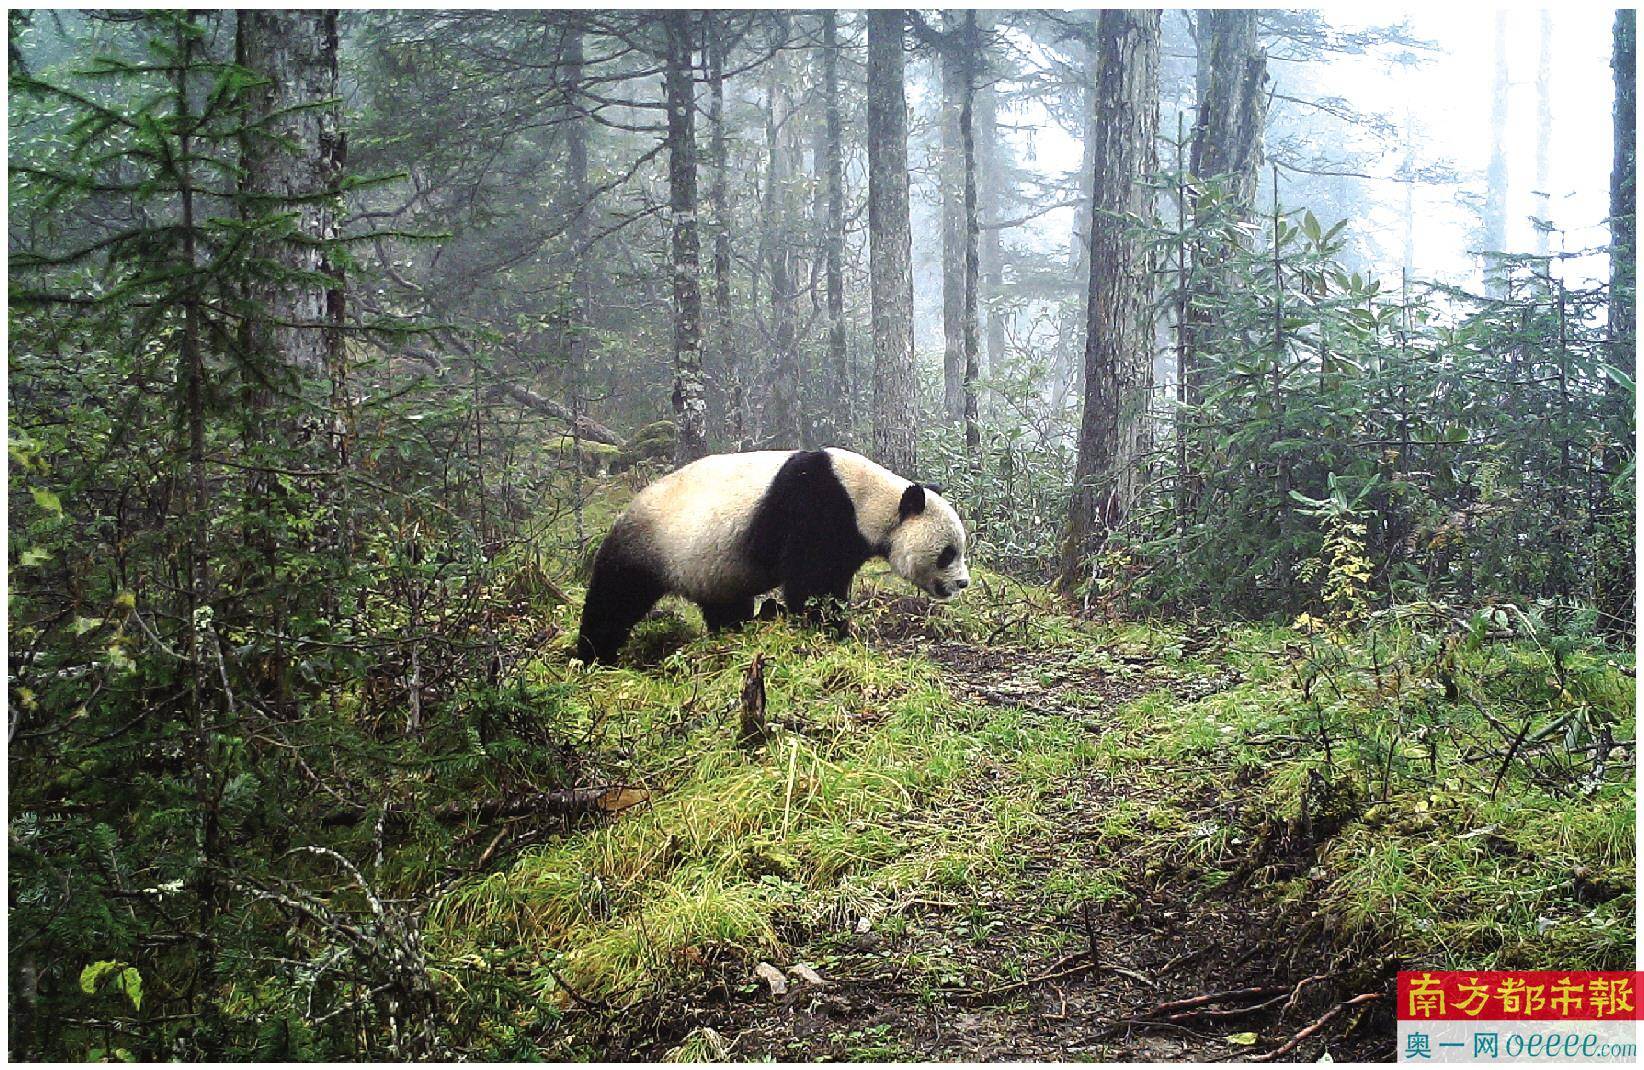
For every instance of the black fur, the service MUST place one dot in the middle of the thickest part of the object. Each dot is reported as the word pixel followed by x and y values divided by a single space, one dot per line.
pixel 804 533
pixel 803 536
pixel 912 503
pixel 730 614
pixel 625 585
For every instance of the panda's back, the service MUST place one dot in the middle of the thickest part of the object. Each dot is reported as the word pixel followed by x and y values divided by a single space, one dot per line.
pixel 695 522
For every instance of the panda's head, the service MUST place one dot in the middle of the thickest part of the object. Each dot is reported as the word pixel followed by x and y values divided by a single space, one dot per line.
pixel 927 545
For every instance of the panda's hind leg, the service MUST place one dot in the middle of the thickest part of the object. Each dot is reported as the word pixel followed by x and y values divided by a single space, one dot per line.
pixel 731 614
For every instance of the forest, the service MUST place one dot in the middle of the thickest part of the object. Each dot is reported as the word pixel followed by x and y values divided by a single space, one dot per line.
pixel 1279 364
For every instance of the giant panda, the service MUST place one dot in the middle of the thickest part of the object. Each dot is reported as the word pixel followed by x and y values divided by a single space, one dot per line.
pixel 729 527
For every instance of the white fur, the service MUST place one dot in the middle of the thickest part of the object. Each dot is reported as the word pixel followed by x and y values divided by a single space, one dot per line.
pixel 914 543
pixel 694 520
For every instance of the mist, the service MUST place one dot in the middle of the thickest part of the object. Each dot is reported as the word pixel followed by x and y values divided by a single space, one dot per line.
pixel 818 534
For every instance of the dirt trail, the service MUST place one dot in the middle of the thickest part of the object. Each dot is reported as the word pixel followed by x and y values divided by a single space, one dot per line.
pixel 1115 987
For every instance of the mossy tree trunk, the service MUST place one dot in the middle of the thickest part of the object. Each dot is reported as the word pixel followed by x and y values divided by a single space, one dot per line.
pixel 690 395
pixel 890 247
pixel 1119 324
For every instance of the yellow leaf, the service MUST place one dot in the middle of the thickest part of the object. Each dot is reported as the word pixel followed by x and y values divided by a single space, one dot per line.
pixel 621 798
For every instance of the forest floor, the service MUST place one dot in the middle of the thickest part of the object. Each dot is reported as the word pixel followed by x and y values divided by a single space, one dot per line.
pixel 1001 968
pixel 997 831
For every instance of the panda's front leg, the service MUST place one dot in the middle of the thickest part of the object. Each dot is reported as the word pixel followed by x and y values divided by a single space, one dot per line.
pixel 820 602
pixel 816 582
pixel 729 614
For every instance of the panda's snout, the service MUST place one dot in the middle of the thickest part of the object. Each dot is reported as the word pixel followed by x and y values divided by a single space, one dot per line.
pixel 961 583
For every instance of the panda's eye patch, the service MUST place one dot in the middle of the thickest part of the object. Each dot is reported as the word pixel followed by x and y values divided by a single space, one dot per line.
pixel 945 558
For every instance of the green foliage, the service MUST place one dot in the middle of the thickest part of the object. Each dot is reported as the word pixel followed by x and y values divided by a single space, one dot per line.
pixel 1476 439
pixel 1014 496
pixel 233 668
pixel 120 977
pixel 1341 565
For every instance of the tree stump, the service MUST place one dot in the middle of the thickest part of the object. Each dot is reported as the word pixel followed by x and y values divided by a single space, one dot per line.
pixel 753 730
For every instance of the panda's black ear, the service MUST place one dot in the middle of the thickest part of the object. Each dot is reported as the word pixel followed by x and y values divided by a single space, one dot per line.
pixel 913 502
pixel 935 488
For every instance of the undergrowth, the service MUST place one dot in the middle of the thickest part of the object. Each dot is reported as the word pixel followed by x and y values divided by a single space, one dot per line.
pixel 1412 794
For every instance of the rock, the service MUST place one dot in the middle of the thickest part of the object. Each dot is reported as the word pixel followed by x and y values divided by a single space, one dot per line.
pixel 653 442
pixel 773 977
pixel 807 975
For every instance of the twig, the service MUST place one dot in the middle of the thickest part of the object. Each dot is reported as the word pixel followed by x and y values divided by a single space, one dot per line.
pixel 1212 997
pixel 1295 994
pixel 582 1001
pixel 1056 972
pixel 1090 932
pixel 1319 1023
pixel 485 855
pixel 1180 960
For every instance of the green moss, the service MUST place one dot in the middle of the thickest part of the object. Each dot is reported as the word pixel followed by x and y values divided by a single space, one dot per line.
pixel 880 788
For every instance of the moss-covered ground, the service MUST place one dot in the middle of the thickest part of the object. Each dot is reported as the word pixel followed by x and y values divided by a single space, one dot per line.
pixel 990 829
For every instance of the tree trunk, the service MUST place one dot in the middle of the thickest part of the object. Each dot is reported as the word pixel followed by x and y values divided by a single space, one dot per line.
pixel 783 423
pixel 1069 367
pixel 1232 75
pixel 1544 131
pixel 890 253
pixel 952 179
pixel 205 775
pixel 292 153
pixel 1495 194
pixel 690 400
pixel 735 431
pixel 576 333
pixel 838 378
pixel 969 64
pixel 1616 579
pixel 1119 326
pixel 292 160
pixel 1624 197
pixel 990 181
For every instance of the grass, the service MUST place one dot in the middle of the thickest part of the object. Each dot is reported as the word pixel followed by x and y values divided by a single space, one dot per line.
pixel 1430 858
pixel 858 802
pixel 1381 758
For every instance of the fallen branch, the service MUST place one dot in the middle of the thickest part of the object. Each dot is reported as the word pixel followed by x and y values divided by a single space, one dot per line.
pixel 1213 997
pixel 568 802
pixel 587 428
pixel 1054 973
pixel 1323 1019
pixel 1198 1011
